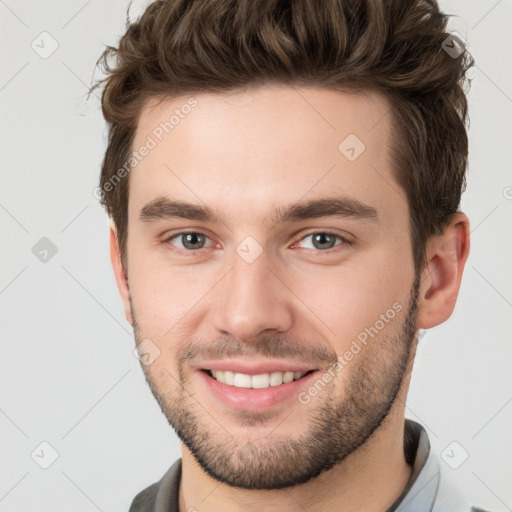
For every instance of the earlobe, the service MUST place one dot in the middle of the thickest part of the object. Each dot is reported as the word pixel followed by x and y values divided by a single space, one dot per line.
pixel 441 278
pixel 119 273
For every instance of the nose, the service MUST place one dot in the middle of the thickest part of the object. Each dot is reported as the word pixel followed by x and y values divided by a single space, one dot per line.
pixel 252 299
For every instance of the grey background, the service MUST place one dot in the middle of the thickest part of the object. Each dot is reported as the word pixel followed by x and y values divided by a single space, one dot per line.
pixel 68 374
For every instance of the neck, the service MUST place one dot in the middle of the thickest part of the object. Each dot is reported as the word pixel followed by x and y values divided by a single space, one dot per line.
pixel 371 478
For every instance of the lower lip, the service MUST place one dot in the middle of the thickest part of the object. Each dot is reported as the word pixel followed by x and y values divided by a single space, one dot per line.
pixel 251 398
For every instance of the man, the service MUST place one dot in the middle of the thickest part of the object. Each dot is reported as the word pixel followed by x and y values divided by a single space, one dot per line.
pixel 284 181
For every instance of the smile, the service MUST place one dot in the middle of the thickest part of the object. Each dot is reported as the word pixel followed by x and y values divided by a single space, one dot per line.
pixel 260 381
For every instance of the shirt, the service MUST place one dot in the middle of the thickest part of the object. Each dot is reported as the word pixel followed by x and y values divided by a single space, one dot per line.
pixel 426 491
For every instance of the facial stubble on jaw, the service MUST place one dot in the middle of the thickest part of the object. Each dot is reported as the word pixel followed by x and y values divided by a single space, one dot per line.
pixel 337 427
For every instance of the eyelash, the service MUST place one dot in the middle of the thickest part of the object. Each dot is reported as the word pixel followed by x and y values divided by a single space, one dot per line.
pixel 189 252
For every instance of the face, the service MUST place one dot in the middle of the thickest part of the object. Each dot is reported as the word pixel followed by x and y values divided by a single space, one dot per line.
pixel 267 233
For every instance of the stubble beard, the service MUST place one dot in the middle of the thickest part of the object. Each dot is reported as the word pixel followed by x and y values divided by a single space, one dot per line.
pixel 337 425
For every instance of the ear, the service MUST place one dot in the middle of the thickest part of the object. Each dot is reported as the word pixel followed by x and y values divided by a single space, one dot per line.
pixel 441 277
pixel 121 278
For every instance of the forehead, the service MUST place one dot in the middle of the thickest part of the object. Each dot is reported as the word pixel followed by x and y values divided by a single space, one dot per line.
pixel 266 145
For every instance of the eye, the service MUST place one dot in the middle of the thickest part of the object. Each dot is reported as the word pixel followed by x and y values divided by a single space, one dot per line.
pixel 193 241
pixel 189 240
pixel 324 241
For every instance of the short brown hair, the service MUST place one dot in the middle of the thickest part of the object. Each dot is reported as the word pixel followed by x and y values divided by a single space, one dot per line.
pixel 397 47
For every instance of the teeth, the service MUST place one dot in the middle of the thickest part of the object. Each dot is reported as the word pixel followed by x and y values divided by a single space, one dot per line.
pixel 276 378
pixel 229 378
pixel 261 381
pixel 242 380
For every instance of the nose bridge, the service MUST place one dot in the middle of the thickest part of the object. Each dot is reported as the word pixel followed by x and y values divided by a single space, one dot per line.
pixel 252 298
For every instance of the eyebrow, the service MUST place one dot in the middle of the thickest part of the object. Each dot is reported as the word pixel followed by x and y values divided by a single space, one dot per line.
pixel 163 208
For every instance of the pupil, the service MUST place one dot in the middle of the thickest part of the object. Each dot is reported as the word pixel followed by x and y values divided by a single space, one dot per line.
pixel 190 240
pixel 321 237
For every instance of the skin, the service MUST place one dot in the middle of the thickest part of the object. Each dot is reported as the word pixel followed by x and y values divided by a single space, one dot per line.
pixel 243 154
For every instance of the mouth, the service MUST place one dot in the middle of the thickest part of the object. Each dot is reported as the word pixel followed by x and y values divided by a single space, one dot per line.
pixel 261 392
pixel 260 381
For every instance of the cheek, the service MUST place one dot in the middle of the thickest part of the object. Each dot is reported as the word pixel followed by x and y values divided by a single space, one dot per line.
pixel 165 297
pixel 349 300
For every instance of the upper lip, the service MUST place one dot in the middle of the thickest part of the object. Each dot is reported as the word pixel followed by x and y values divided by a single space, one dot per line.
pixel 256 368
